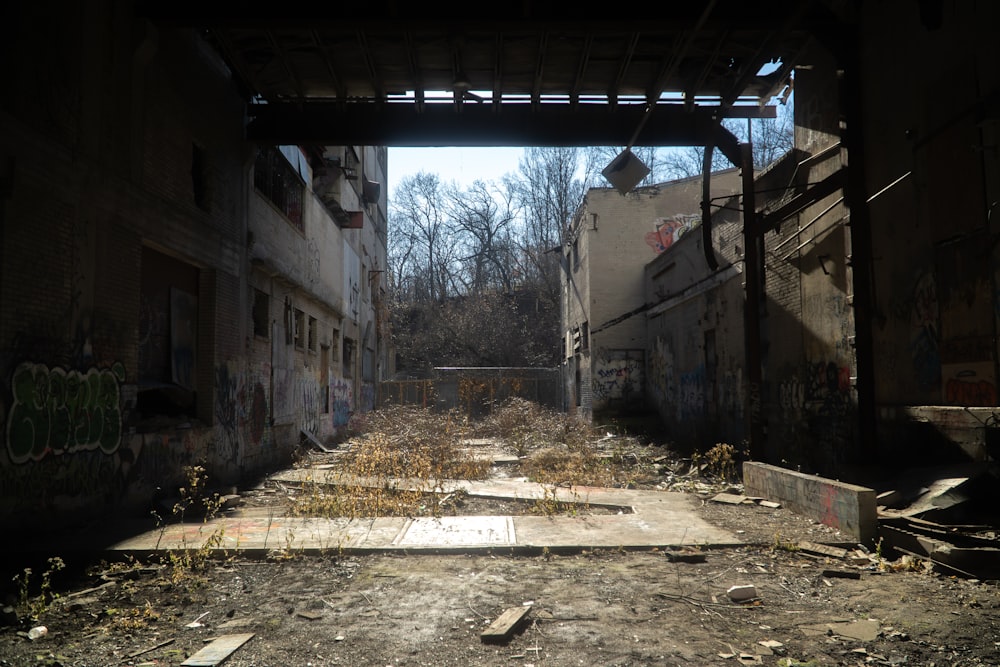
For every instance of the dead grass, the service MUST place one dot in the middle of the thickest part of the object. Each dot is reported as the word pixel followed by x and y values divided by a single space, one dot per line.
pixel 398 465
pixel 401 443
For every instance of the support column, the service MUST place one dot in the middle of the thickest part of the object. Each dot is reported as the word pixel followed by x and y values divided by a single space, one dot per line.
pixel 753 275
pixel 860 260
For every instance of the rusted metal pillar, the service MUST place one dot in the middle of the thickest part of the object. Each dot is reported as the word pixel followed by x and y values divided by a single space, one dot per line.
pixel 753 276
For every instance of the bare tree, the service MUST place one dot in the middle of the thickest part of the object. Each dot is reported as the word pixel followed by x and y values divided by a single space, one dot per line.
pixel 770 138
pixel 421 262
pixel 483 217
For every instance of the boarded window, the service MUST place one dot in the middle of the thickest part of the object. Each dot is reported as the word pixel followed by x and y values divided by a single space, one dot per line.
pixel 300 328
pixel 311 342
pixel 261 313
pixel 348 358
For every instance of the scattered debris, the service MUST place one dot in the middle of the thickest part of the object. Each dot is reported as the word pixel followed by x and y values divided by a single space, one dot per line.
pixel 218 650
pixel 136 654
pixel 315 442
pixel 750 659
pixel 742 593
pixel 842 574
pixel 37 632
pixel 196 623
pixel 686 556
pixel 309 615
pixel 769 504
pixel 729 499
pixel 822 550
pixel 964 550
pixel 505 625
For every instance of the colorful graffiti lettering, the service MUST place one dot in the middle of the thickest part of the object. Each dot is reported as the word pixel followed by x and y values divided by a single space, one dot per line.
pixel 55 411
pixel 669 230
pixel 341 392
pixel 963 390
pixel 692 397
pixel 618 379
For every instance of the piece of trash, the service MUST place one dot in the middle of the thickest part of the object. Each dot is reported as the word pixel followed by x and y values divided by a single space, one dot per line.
pixel 750 659
pixel 309 615
pixel 505 625
pixel 37 632
pixel 686 556
pixel 339 638
pixel 770 643
pixel 728 499
pixel 196 623
pixel 770 504
pixel 742 593
pixel 841 574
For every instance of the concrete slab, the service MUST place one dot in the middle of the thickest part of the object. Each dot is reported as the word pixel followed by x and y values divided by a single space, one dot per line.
pixel 454 531
pixel 648 519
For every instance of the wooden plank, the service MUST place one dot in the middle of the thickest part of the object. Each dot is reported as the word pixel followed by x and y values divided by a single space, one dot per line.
pixel 822 550
pixel 217 651
pixel 504 626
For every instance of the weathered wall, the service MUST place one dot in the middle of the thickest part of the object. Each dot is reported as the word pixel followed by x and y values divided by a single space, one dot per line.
pixel 101 133
pixel 157 310
pixel 934 233
pixel 695 340
pixel 607 292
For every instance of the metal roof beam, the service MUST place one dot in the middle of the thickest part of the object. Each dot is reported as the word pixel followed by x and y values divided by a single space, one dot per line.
pixel 551 124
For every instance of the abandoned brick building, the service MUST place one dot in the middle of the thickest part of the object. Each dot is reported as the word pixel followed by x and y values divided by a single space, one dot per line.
pixel 193 240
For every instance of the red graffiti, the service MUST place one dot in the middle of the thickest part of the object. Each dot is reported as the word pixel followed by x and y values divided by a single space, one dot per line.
pixel 981 393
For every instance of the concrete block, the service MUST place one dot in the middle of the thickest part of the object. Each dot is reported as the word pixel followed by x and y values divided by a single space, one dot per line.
pixel 847 507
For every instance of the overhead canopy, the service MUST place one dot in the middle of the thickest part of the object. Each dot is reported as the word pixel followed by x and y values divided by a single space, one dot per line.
pixel 524 73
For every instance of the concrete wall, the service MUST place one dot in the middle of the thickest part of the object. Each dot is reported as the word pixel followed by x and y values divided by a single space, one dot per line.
pixel 615 235
pixel 133 246
pixel 695 355
pixel 934 234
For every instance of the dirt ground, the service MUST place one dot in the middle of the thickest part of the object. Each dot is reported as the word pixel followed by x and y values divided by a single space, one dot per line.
pixel 588 608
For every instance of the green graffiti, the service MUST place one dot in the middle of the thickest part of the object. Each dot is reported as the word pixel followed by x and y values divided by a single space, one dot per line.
pixel 56 411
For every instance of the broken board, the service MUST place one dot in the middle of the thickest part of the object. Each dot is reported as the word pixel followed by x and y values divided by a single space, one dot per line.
pixel 217 651
pixel 315 441
pixel 501 629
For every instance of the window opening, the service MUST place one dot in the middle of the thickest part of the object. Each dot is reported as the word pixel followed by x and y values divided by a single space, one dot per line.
pixel 277 181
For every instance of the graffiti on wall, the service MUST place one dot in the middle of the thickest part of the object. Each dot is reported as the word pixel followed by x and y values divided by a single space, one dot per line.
pixel 668 230
pixel 341 393
pixel 55 411
pixel 661 370
pixel 618 377
pixel 367 397
pixel 970 385
pixel 241 411
pixel 731 392
pixel 310 405
pixel 692 394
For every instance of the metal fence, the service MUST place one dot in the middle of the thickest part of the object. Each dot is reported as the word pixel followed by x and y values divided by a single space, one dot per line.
pixel 475 391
